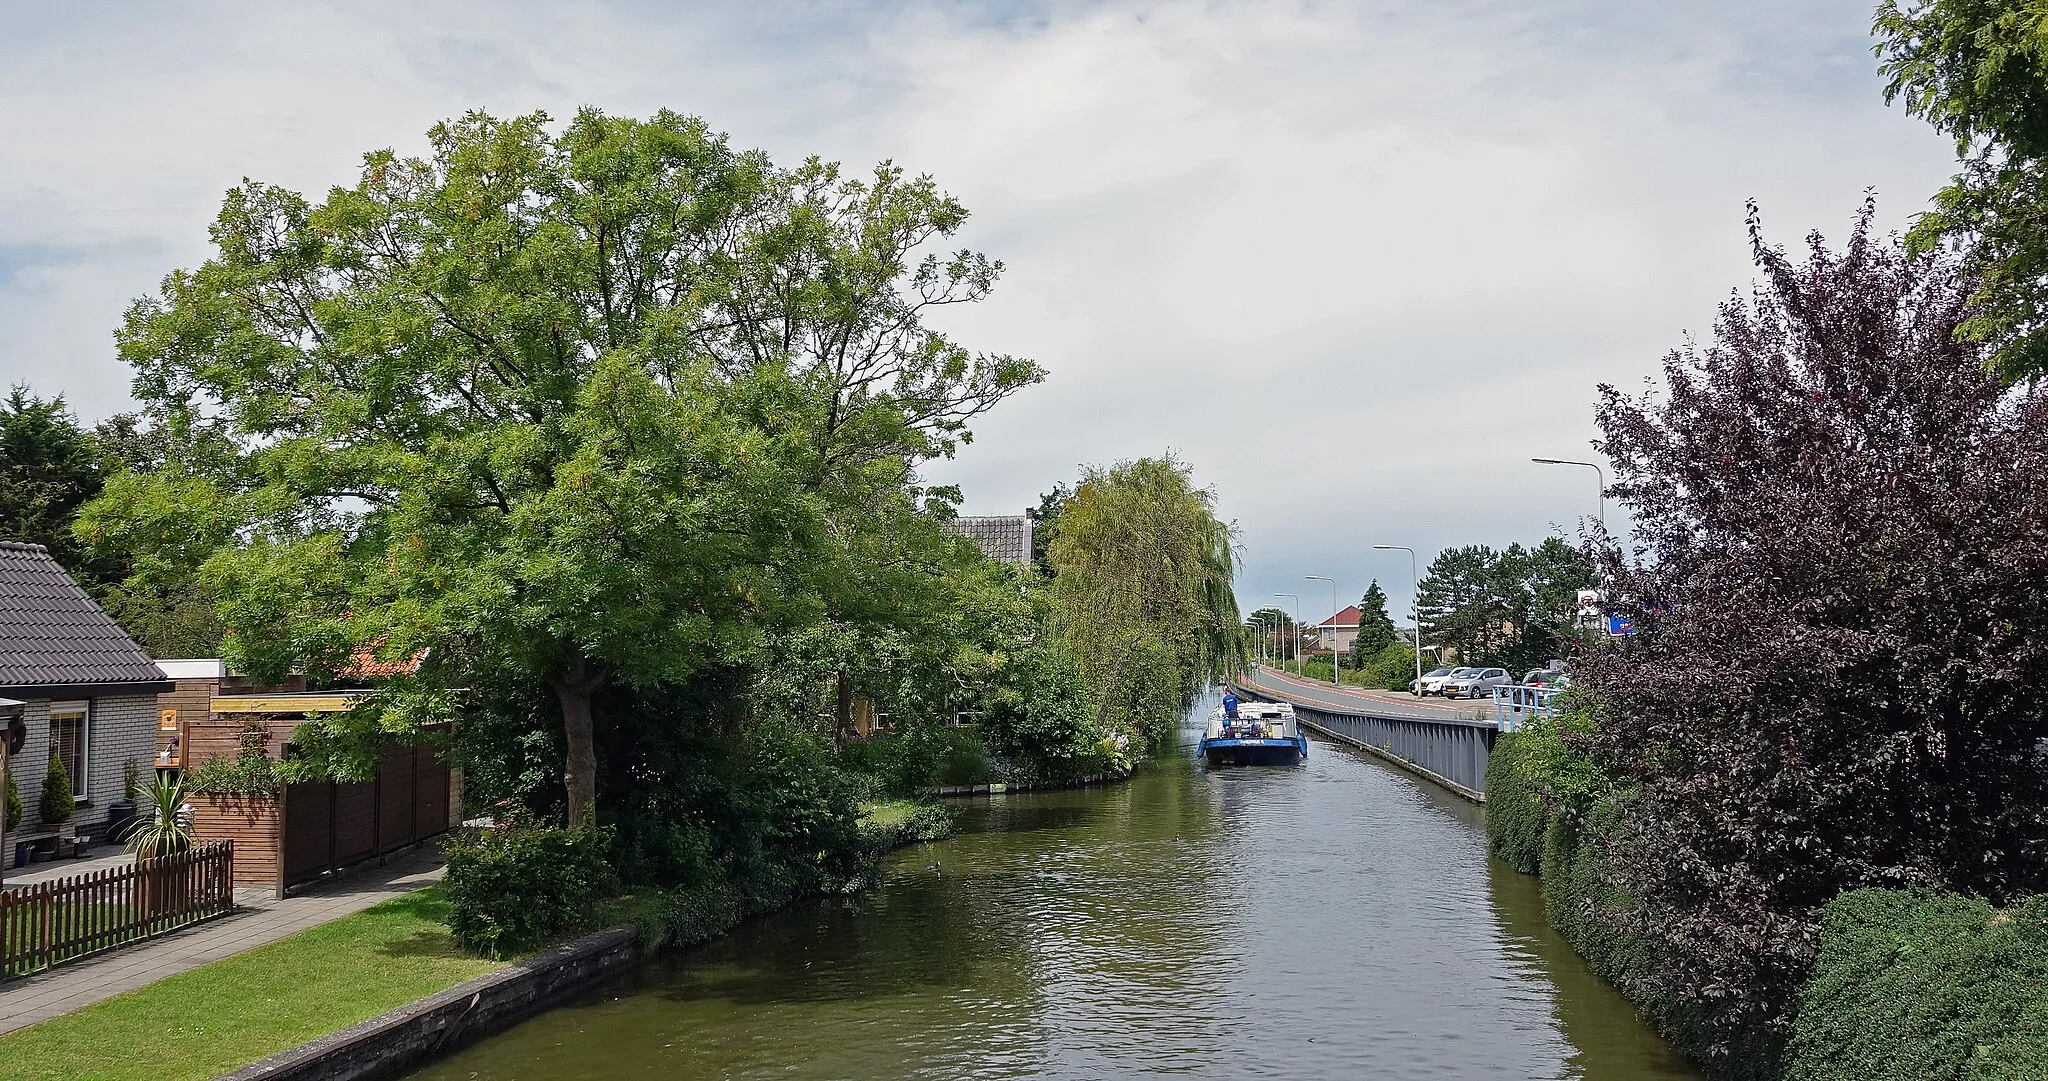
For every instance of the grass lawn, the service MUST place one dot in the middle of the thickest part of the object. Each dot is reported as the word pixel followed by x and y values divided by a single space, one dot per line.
pixel 220 1017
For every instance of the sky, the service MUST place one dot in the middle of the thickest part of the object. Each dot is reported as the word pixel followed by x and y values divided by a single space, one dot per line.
pixel 1355 264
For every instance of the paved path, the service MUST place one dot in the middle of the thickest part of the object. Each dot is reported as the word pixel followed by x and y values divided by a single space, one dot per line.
pixel 103 857
pixel 1359 700
pixel 260 919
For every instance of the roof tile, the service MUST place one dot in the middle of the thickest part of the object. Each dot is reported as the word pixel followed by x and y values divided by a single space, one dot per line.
pixel 52 632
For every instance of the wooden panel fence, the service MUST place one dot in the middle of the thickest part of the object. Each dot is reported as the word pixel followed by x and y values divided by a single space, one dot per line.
pixel 65 919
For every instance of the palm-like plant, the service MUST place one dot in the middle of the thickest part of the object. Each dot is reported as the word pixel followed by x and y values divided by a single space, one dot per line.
pixel 161 832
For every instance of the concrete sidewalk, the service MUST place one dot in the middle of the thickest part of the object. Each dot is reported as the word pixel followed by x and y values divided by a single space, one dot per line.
pixel 260 919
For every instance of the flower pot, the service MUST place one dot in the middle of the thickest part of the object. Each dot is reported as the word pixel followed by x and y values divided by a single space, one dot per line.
pixel 120 815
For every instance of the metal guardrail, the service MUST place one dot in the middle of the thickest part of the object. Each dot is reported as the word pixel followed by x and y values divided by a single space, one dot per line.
pixel 1515 707
pixel 1450 750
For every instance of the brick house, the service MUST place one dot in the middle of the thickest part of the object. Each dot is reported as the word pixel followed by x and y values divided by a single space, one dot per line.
pixel 88 691
pixel 1338 631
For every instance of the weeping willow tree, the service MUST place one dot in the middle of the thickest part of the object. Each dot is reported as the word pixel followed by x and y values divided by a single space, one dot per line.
pixel 1142 593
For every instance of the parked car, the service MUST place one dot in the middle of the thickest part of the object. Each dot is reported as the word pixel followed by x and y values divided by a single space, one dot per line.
pixel 1476 682
pixel 1552 678
pixel 1432 681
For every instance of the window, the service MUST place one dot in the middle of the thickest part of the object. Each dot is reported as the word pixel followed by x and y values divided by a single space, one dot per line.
pixel 70 728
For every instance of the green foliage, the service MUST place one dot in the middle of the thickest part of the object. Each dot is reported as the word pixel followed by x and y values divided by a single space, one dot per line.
pixel 131 780
pixel 249 772
pixel 49 466
pixel 1514 608
pixel 57 804
pixel 919 755
pixel 1914 985
pixel 1142 594
pixel 1376 631
pixel 1516 817
pixel 1392 668
pixel 14 807
pixel 516 887
pixel 159 829
pixel 1978 71
pixel 593 406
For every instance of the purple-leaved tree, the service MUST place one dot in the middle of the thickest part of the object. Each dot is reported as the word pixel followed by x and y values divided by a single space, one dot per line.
pixel 1841 580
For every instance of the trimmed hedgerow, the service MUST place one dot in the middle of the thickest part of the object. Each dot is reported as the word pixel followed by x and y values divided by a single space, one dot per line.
pixel 1912 986
pixel 1514 807
pixel 516 887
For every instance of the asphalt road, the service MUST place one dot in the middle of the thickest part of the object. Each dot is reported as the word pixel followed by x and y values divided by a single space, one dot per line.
pixel 1358 700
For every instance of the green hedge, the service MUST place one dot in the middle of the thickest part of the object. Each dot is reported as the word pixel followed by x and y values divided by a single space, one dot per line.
pixel 1919 986
pixel 514 888
pixel 1514 807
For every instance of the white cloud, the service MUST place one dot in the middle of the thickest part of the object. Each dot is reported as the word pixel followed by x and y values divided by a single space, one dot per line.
pixel 1402 240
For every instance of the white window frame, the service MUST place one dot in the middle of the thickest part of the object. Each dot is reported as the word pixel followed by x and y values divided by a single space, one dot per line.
pixel 80 780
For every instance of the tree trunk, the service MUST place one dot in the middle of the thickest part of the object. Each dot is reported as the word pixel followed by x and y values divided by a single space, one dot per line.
pixel 579 747
pixel 842 713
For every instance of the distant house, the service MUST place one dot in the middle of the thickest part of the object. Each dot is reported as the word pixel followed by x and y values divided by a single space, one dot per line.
pixel 88 691
pixel 1005 538
pixel 1338 631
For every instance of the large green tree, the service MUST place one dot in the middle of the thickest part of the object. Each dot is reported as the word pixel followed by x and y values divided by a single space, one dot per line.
pixel 1513 607
pixel 1375 627
pixel 50 465
pixel 1978 71
pixel 590 406
pixel 1143 591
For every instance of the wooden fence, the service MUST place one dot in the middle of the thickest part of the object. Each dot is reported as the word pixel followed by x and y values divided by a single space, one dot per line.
pixel 64 919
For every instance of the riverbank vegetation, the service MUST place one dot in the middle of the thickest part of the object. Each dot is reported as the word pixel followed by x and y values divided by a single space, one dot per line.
pixel 1837 685
pixel 605 438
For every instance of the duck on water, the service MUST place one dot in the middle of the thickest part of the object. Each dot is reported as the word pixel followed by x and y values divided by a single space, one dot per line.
pixel 1252 734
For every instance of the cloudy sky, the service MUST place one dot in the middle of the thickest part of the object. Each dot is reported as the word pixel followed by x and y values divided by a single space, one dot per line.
pixel 1355 263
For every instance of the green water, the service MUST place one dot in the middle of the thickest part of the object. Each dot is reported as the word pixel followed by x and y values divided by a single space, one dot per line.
pixel 1334 920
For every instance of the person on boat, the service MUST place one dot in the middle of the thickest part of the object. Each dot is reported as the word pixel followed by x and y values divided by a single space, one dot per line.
pixel 1229 704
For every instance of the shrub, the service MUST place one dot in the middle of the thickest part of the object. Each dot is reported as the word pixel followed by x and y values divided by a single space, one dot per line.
pixel 248 772
pixel 57 805
pixel 1914 985
pixel 1840 671
pixel 1514 807
pixel 517 887
pixel 14 808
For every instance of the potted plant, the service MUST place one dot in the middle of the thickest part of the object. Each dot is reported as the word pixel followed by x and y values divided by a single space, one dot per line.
pixel 121 812
pixel 58 804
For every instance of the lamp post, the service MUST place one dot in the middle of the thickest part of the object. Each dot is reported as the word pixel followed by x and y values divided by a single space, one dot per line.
pixel 1336 670
pixel 1599 473
pixel 1414 603
pixel 1297 632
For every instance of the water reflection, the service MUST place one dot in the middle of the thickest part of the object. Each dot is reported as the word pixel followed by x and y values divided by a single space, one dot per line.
pixel 1335 920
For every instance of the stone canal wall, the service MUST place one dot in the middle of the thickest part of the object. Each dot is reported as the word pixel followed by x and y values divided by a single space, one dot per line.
pixel 413 1034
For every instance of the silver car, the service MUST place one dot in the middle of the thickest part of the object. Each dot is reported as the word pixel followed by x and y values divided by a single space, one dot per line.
pixel 1476 682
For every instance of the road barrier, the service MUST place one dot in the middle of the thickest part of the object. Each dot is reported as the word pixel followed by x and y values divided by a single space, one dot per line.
pixel 1450 750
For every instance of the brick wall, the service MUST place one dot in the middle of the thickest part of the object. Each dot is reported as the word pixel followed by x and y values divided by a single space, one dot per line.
pixel 120 728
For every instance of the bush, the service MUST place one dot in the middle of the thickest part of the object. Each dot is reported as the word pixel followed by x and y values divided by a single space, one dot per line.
pixel 1913 985
pixel 57 805
pixel 919 756
pixel 1514 806
pixel 14 808
pixel 519 886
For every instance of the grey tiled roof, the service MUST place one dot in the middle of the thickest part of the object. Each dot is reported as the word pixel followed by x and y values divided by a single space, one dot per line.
pixel 1002 537
pixel 51 632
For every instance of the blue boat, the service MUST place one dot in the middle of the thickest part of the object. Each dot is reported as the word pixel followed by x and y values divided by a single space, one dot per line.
pixel 1262 734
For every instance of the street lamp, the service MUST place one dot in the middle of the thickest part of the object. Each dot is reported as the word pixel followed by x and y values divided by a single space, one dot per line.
pixel 1414 603
pixel 1597 472
pixel 1336 672
pixel 1297 632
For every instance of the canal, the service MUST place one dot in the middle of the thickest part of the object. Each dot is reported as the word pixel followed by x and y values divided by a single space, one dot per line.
pixel 1336 920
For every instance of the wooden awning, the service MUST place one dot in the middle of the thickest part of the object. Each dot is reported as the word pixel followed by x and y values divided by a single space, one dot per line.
pixel 292 704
